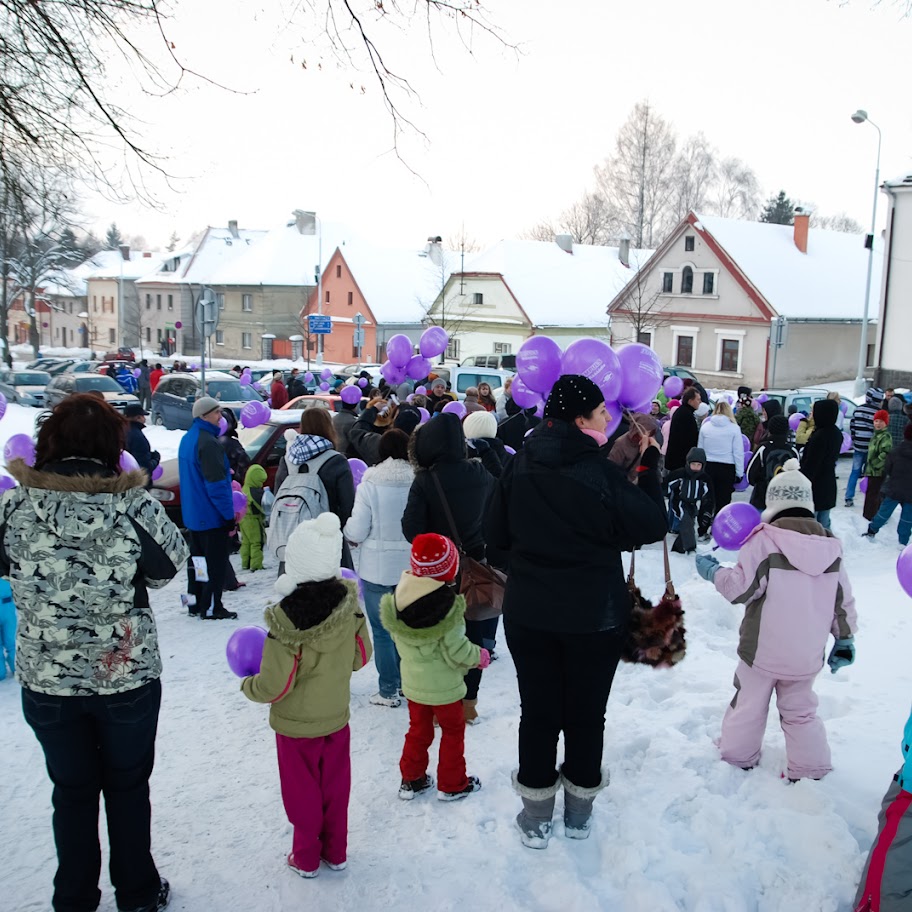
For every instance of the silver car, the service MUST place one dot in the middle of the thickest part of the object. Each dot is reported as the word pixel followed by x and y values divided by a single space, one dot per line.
pixel 69 384
pixel 24 387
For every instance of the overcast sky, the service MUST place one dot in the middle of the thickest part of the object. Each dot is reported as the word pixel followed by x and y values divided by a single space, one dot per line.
pixel 512 137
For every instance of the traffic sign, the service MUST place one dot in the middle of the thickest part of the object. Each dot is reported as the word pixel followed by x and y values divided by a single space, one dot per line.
pixel 358 340
pixel 319 324
pixel 207 312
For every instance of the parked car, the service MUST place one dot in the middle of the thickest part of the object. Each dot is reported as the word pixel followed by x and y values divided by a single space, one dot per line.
pixel 172 401
pixel 497 362
pixel 60 367
pixel 68 384
pixel 318 400
pixel 461 378
pixel 685 373
pixel 124 353
pixel 24 387
pixel 804 398
pixel 265 445
pixel 42 363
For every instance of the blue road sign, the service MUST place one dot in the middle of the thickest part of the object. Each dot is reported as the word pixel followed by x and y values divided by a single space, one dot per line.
pixel 319 324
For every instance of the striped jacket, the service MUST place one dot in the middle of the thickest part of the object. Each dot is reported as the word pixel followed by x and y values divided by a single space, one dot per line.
pixel 792 581
pixel 861 426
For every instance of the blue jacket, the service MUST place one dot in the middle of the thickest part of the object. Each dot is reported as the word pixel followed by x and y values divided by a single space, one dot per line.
pixel 205 479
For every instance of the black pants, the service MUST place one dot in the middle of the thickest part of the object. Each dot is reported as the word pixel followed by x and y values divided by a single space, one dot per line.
pixel 92 745
pixel 213 545
pixel 481 633
pixel 723 479
pixel 564 683
pixel 687 534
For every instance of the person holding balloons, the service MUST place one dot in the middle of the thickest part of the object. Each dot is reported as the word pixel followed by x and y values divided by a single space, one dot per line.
pixel 792 580
pixel 819 457
pixel 135 442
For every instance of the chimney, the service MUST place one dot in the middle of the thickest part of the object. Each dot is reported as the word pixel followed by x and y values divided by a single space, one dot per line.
pixel 125 252
pixel 802 223
pixel 305 221
pixel 232 227
pixel 624 250
pixel 565 242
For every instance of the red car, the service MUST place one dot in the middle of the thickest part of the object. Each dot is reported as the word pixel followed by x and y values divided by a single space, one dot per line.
pixel 122 354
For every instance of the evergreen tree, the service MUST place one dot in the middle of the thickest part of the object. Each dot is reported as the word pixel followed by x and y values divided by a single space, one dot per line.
pixel 69 246
pixel 778 210
pixel 173 241
pixel 90 246
pixel 113 240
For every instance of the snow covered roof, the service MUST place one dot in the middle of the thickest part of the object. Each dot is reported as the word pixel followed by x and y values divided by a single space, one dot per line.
pixel 556 288
pixel 827 282
pixel 109 264
pixel 904 181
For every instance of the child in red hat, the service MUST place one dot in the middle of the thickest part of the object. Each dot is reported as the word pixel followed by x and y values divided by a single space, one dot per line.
pixel 878 450
pixel 425 618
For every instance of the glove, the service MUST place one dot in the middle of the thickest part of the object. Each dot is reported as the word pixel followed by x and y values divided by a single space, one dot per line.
pixel 485 658
pixel 479 444
pixel 842 654
pixel 707 566
pixel 650 458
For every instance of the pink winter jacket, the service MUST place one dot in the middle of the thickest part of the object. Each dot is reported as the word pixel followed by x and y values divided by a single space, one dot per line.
pixel 791 578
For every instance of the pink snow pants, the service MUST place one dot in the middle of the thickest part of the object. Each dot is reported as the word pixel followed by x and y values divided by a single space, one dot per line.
pixel 316 780
pixel 744 724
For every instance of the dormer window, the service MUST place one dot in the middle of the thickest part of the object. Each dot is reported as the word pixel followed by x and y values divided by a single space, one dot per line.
pixel 689 243
pixel 687 280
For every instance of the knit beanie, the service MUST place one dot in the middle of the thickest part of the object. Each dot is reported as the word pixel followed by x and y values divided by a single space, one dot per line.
pixel 313 553
pixel 895 404
pixel 874 396
pixel 881 415
pixel 788 490
pixel 407 418
pixel 480 424
pixel 573 395
pixel 204 405
pixel 778 426
pixel 435 556
pixel 696 454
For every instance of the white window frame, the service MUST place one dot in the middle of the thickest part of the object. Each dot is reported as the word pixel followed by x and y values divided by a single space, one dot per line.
pixel 247 303
pixel 452 351
pixel 503 348
pixel 219 337
pixel 652 335
pixel 220 300
pixel 246 340
pixel 732 335
pixel 684 331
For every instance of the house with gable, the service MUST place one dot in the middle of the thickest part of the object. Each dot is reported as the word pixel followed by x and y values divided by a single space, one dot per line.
pixel 708 297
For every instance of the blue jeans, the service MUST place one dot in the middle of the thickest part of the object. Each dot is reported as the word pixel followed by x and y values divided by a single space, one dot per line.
pixel 823 517
pixel 859 458
pixel 386 658
pixel 887 506
pixel 92 745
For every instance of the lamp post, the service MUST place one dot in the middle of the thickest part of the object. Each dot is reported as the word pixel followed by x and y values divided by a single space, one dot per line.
pixel 435 253
pixel 318 275
pixel 858 117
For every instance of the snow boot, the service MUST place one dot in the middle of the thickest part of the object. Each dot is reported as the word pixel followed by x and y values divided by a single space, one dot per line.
pixel 159 903
pixel 470 712
pixel 409 789
pixel 472 785
pixel 534 820
pixel 578 806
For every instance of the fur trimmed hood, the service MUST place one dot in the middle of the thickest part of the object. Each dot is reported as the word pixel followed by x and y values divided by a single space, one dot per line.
pixel 29 477
pixel 420 635
pixel 323 637
pixel 395 473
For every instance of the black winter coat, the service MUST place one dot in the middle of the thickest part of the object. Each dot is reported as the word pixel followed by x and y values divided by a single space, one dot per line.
pixel 342 425
pixel 439 447
pixel 818 458
pixel 238 460
pixel 898 473
pixel 138 447
pixel 492 454
pixel 564 513
pixel 513 430
pixel 683 435
pixel 364 437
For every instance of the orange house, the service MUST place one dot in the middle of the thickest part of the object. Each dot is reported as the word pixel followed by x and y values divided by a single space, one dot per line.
pixel 343 300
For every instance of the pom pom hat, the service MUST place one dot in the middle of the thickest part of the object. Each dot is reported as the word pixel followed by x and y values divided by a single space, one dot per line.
pixel 434 556
pixel 788 490
pixel 572 396
pixel 313 553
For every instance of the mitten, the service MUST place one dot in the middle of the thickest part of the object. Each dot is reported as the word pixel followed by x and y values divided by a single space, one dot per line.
pixel 842 654
pixel 479 444
pixel 650 458
pixel 707 566
pixel 484 659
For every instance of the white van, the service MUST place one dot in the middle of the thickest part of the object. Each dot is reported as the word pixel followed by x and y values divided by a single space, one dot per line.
pixel 461 378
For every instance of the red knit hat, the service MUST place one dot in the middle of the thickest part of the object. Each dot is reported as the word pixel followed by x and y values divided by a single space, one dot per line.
pixel 435 556
pixel 882 415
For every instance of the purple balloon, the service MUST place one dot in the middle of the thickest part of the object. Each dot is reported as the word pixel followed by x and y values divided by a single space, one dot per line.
pixel 756 405
pixel 762 398
pixel 20 446
pixel 522 395
pixel 245 379
pixel 362 382
pixel 846 443
pixel 540 409
pixel 795 420
pixel 6 483
pixel 253 414
pixel 904 569
pixel 136 372
pixel 433 341
pixel 236 485
pixel 641 373
pixel 351 394
pixel 244 650
pixel 425 414
pixel 127 462
pixel 673 387
pixel 455 408
pixel 594 359
pixel 308 377
pixel 239 502
pixel 419 390
pixel 538 363
pixel 223 426
pixel 399 351
pixel 351 575
pixel 863 484
pixel 157 473
pixel 742 485
pixel 734 523
pixel 843 406
pixel 510 450
pixel 325 387
pixel 418 367
pixel 358 468
pixel 615 413
pixel 326 374
pixel 2 405
pixel 746 443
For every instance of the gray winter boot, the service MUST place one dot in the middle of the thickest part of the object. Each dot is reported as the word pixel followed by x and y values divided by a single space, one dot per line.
pixel 534 820
pixel 578 806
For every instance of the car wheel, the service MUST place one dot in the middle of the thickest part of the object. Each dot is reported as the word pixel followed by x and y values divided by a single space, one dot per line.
pixel 157 419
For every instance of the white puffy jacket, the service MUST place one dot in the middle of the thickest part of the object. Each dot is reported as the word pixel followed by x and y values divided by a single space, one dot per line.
pixel 376 522
pixel 721 439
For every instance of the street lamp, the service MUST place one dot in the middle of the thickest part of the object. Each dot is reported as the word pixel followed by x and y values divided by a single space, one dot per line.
pixel 435 253
pixel 318 227
pixel 858 117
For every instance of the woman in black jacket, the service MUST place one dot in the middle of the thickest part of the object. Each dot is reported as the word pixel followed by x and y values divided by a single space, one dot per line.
pixel 437 450
pixel 564 513
pixel 818 458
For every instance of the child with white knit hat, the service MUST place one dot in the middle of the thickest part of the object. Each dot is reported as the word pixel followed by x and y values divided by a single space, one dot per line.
pixel 317 637
pixel 425 616
pixel 792 580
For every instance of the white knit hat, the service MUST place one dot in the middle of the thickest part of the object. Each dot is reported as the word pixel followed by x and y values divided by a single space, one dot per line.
pixel 788 490
pixel 480 424
pixel 313 553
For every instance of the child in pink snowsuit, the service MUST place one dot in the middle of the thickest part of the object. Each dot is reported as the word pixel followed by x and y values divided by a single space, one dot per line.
pixel 792 581
pixel 317 637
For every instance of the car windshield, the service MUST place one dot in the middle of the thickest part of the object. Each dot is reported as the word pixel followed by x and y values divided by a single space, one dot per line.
pixel 252 439
pixel 33 378
pixel 102 384
pixel 231 391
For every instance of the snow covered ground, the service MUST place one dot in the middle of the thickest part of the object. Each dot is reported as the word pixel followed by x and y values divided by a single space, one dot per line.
pixel 676 830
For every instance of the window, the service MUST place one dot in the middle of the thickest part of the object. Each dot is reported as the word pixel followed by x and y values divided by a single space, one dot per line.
pixel 729 360
pixel 687 280
pixel 112 335
pixel 709 282
pixel 148 334
pixel 327 297
pixel 453 349
pixel 645 338
pixel 869 355
pixel 689 243
pixel 220 299
pixel 478 299
pixel 159 334
pixel 351 298
pixel 148 302
pixel 247 303
pixel 158 302
pixel 219 337
pixel 170 302
pixel 95 303
pixel 684 354
pixel 246 340
pixel 667 282
pixel 338 270
pixel 502 348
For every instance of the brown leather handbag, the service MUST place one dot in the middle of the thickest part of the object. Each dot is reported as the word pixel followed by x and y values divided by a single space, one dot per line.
pixel 480 584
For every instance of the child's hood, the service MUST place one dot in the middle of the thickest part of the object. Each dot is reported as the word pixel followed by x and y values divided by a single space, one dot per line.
pixel 418 636
pixel 806 545
pixel 323 637
pixel 255 477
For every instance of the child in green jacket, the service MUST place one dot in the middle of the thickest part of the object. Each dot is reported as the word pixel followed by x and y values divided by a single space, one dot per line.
pixel 317 637
pixel 253 523
pixel 878 449
pixel 425 618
